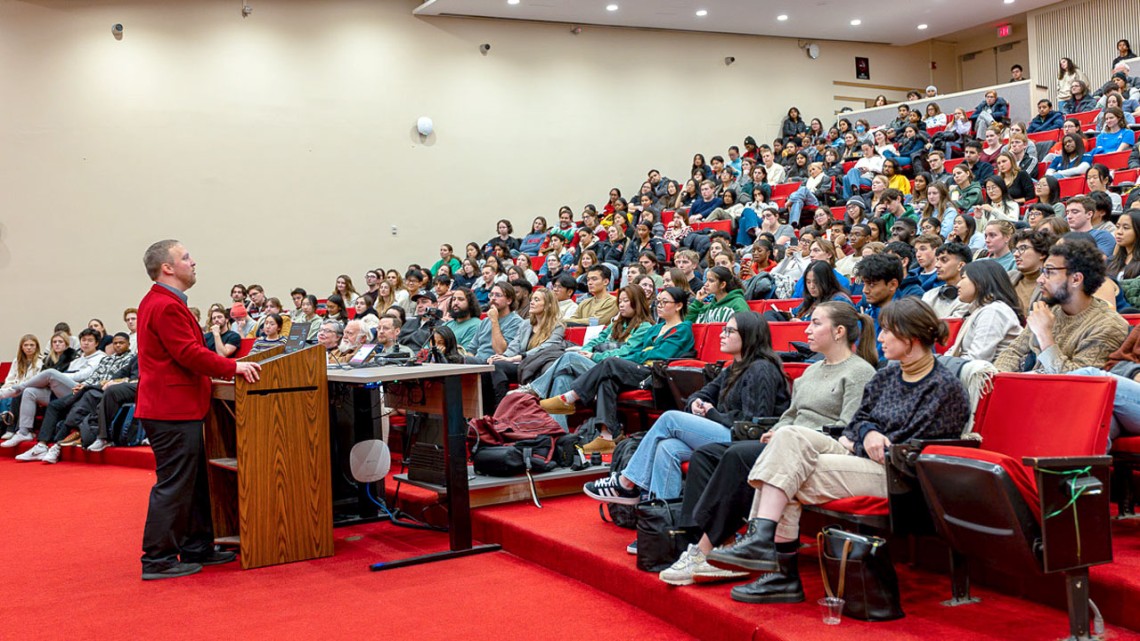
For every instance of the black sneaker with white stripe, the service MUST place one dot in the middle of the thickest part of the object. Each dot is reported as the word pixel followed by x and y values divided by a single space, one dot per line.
pixel 609 490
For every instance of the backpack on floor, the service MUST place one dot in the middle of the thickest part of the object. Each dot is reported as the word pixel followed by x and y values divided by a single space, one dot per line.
pixel 622 515
pixel 126 430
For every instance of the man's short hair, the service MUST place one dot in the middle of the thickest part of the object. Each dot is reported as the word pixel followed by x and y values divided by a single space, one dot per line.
pixel 397 324
pixel 298 290
pixel 1016 66
pixel 709 183
pixel 258 288
pixel 442 279
pixel 891 194
pixel 414 273
pixel 566 281
pixel 693 256
pixel 123 335
pixel 333 326
pixel 87 331
pixel 508 291
pixel 1045 101
pixel 882 268
pixel 472 301
pixel 1082 257
pixel 973 144
pixel 1101 202
pixel 909 224
pixel 522 285
pixel 840 223
pixel 936 152
pixel 1087 203
pixel 130 310
pixel 155 256
pixel 1040 239
pixel 904 251
pixel 600 270
pixel 934 241
pixel 961 250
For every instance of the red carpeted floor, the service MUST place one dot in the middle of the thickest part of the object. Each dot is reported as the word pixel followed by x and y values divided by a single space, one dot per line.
pixel 568 536
pixel 72 571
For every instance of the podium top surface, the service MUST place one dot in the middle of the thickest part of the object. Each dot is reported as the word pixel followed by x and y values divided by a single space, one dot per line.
pixel 389 373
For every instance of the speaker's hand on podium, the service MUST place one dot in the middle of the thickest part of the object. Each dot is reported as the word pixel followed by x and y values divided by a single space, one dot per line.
pixel 249 371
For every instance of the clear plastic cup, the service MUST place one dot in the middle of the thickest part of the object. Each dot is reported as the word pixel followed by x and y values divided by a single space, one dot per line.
pixel 831 609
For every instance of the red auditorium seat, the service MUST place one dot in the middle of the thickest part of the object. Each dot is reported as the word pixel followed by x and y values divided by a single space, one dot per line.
pixel 536 262
pixel 667 217
pixel 951 163
pixel 1125 176
pixel 1074 186
pixel 758 306
pixel 246 345
pixel 1052 135
pixel 955 325
pixel 785 304
pixel 1086 118
pixel 716 225
pixel 4 369
pixel 708 350
pixel 783 334
pixel 1133 319
pixel 1115 160
pixel 783 190
pixel 795 370
pixel 576 335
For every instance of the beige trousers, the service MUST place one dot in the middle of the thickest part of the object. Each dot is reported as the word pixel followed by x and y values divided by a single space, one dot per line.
pixel 812 468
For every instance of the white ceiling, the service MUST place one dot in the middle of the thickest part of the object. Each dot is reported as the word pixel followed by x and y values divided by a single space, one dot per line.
pixel 894 22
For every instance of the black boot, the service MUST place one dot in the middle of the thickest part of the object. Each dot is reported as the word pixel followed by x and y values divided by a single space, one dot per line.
pixel 774 587
pixel 756 551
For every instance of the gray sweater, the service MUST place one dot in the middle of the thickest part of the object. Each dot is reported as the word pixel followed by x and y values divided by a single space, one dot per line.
pixel 827 394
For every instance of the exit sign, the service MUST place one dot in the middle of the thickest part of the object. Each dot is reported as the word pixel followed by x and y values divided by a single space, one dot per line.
pixel 1005 31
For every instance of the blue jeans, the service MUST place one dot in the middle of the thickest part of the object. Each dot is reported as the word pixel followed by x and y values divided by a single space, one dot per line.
pixel 1125 406
pixel 749 220
pixel 558 378
pixel 852 182
pixel 796 203
pixel 656 465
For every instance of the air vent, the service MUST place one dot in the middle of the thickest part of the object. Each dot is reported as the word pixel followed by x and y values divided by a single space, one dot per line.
pixel 1004 48
pixel 968 57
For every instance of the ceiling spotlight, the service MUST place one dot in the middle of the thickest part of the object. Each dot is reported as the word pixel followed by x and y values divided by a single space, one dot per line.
pixel 782 17
pixel 1008 1
pixel 246 10
pixel 512 1
pixel 922 27
pixel 856 22
pixel 611 7
pixel 729 60
pixel 702 13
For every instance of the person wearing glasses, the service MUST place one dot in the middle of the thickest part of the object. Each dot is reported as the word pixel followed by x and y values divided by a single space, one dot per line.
pixel 671 337
pixel 1069 328
pixel 1030 249
pixel 753 386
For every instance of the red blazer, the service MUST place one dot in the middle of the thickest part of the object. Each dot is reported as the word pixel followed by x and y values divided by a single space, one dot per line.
pixel 174 365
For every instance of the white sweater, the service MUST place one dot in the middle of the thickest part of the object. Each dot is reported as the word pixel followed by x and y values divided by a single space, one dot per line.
pixel 14 378
pixel 986 332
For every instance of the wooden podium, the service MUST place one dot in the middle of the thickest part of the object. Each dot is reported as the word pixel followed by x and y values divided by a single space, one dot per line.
pixel 267 444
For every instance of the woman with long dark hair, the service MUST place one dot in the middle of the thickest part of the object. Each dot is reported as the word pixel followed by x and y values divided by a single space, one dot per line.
pixel 965 231
pixel 1047 189
pixel 753 386
pixel 994 317
pixel 671 337
pixel 723 298
pixel 1125 262
pixel 1072 160
pixel 820 286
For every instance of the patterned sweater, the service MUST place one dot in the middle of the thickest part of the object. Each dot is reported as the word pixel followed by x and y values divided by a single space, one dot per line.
pixel 935 407
pixel 1083 340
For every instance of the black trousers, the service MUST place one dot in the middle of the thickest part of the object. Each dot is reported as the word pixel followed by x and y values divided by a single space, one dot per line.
pixel 601 385
pixel 114 397
pixel 84 407
pixel 178 521
pixel 717 497
pixel 505 373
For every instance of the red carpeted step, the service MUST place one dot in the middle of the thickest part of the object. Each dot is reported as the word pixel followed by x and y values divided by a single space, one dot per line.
pixel 141 457
pixel 568 536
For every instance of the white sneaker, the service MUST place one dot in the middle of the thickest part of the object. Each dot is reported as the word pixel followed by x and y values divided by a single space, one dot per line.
pixel 52 455
pixel 98 446
pixel 16 439
pixel 705 572
pixel 681 572
pixel 11 392
pixel 7 435
pixel 37 453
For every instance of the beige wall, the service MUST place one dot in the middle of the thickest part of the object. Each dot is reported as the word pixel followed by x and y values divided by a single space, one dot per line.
pixel 280 148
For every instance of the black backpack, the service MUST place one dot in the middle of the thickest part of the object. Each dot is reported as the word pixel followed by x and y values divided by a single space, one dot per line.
pixel 126 431
pixel 622 515
pixel 535 456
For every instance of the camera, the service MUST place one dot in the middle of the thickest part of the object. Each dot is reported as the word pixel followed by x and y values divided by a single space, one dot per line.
pixel 431 316
pixel 484 48
pixel 117 30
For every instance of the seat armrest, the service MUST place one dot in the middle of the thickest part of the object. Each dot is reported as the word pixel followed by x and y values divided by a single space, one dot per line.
pixel 1065 462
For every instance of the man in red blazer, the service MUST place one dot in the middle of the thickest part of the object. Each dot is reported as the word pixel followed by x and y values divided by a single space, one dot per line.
pixel 173 396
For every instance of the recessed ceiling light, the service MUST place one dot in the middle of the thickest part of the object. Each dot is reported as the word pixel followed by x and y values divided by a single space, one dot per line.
pixel 856 22
pixel 702 13
pixel 782 17
pixel 512 1
pixel 922 27
pixel 611 7
pixel 1008 1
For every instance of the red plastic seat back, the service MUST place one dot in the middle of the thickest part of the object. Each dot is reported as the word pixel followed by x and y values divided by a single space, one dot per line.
pixel 4 369
pixel 785 304
pixel 783 190
pixel 716 225
pixel 795 370
pixel 955 325
pixel 1046 415
pixel 1074 186
pixel 246 346
pixel 1114 160
pixel 536 262
pixel 576 335
pixel 1125 176
pixel 708 349
pixel 783 334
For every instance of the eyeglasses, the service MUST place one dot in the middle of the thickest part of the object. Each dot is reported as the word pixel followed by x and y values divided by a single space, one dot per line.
pixel 662 301
pixel 1049 270
pixel 729 331
pixel 1021 249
